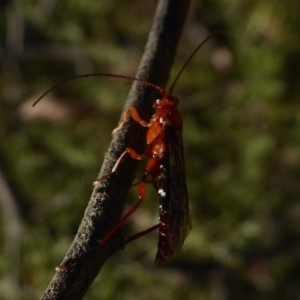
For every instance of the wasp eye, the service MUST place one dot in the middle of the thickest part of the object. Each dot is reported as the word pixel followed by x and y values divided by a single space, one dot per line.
pixel 158 100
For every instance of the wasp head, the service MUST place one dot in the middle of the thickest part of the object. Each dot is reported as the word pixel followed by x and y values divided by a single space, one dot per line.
pixel 166 100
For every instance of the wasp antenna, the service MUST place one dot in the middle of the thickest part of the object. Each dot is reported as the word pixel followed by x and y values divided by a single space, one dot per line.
pixel 160 89
pixel 191 56
pixel 60 83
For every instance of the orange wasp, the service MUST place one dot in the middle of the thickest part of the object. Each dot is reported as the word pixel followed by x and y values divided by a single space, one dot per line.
pixel 164 168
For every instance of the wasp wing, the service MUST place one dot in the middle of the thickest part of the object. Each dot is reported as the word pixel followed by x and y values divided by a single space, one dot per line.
pixel 175 203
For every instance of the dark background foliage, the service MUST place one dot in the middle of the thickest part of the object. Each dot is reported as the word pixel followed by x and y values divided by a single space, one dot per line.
pixel 240 106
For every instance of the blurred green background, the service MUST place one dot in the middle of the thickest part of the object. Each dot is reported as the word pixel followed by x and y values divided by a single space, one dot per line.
pixel 241 110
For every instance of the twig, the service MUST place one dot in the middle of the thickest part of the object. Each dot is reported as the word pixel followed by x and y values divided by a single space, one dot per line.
pixel 86 256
